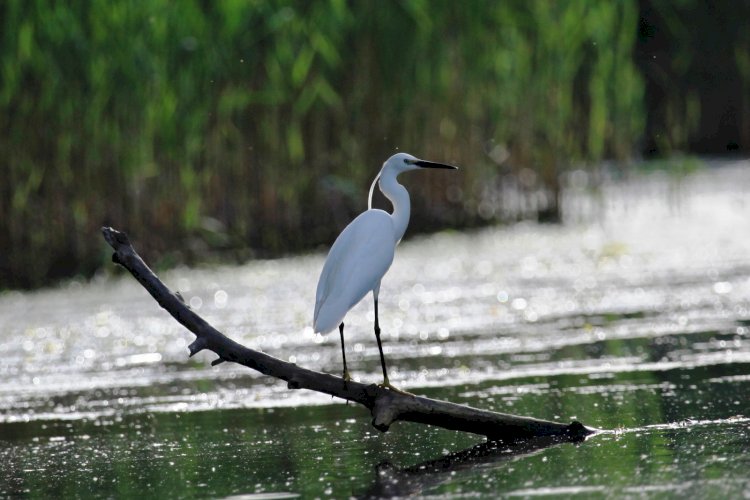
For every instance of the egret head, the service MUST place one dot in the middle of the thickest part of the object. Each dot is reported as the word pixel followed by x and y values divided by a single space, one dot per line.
pixel 398 163
pixel 403 162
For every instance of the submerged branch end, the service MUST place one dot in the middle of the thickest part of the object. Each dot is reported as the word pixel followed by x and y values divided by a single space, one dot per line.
pixel 384 412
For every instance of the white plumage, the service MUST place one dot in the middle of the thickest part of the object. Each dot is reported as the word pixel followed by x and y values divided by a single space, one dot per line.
pixel 363 253
pixel 358 259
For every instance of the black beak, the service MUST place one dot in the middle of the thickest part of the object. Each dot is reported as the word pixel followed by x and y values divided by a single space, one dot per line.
pixel 430 164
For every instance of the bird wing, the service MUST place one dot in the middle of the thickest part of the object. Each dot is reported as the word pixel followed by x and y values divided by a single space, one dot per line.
pixel 356 263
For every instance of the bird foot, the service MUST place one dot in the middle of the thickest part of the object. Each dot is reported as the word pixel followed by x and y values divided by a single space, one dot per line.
pixel 387 385
pixel 346 376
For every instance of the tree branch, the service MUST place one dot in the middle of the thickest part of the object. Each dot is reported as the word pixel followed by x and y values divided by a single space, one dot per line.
pixel 385 406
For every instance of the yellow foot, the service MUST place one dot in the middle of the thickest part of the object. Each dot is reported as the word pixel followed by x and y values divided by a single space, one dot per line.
pixel 387 385
pixel 346 376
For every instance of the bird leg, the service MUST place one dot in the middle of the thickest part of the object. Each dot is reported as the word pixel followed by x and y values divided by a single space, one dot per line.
pixel 346 375
pixel 386 383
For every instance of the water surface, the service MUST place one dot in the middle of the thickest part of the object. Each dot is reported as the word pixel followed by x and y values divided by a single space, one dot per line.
pixel 634 317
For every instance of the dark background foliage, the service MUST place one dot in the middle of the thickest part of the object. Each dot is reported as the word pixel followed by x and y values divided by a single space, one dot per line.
pixel 236 129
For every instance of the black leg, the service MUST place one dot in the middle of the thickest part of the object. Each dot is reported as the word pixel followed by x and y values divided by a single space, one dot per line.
pixel 343 352
pixel 386 382
pixel 380 346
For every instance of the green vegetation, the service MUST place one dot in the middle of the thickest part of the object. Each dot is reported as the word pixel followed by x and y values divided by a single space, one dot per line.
pixel 223 126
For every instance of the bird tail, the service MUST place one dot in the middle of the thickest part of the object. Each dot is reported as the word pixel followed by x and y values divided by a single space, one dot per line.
pixel 372 190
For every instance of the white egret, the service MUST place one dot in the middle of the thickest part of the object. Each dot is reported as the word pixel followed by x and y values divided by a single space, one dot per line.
pixel 363 252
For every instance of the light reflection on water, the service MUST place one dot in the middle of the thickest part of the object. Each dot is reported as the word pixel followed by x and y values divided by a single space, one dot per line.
pixel 636 321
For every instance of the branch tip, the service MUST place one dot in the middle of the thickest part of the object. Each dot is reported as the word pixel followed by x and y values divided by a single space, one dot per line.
pixel 114 237
pixel 217 361
pixel 577 430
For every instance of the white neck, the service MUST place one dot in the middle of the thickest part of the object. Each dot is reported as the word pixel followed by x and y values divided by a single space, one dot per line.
pixel 399 198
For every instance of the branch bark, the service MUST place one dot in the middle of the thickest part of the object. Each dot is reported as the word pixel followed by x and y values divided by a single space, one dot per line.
pixel 385 406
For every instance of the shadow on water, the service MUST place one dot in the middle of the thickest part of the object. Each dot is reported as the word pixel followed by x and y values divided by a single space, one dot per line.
pixel 392 481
